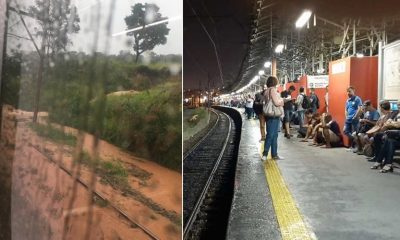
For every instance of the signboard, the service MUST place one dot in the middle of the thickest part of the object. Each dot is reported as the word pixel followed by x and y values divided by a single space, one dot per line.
pixel 339 67
pixel 391 71
pixel 320 81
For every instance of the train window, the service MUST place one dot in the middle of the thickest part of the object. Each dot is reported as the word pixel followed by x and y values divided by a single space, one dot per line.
pixel 90 101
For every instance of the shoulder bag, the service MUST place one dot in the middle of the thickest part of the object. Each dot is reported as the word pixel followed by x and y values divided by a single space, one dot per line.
pixel 269 108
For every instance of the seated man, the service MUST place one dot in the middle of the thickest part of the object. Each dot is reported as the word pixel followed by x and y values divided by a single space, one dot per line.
pixel 378 131
pixel 331 132
pixel 314 122
pixel 328 133
pixel 369 119
pixel 391 141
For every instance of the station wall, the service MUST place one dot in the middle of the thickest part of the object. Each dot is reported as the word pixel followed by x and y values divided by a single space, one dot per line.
pixel 361 73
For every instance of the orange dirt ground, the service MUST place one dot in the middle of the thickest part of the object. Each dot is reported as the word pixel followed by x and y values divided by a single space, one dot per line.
pixel 42 192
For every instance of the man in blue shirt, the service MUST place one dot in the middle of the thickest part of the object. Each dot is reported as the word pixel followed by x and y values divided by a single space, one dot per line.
pixel 352 110
pixel 371 116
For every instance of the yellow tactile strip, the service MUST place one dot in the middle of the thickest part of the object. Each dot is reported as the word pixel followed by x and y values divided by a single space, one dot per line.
pixel 288 215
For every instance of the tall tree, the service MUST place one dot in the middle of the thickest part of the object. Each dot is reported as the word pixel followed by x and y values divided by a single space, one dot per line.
pixel 57 19
pixel 149 37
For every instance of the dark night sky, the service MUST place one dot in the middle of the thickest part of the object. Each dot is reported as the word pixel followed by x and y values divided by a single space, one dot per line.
pixel 232 23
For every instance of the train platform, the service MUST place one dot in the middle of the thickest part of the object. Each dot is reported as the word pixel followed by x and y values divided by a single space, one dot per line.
pixel 313 193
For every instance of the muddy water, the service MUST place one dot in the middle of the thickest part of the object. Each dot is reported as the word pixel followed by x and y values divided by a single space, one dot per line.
pixel 47 203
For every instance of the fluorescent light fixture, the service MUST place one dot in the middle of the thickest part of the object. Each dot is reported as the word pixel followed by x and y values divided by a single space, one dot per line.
pixel 261 72
pixel 255 79
pixel 279 48
pixel 148 25
pixel 303 19
pixel 359 55
pixel 267 64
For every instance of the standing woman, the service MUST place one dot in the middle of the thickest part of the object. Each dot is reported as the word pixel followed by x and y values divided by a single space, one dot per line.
pixel 271 141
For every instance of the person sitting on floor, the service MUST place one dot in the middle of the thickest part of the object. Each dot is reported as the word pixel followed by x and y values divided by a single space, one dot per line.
pixel 331 132
pixel 314 122
pixel 328 133
pixel 391 141
pixel 369 119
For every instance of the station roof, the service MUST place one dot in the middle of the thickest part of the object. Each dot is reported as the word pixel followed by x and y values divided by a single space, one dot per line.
pixel 247 32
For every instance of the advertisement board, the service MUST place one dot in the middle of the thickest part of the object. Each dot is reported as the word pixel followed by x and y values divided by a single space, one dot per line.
pixel 391 71
pixel 320 81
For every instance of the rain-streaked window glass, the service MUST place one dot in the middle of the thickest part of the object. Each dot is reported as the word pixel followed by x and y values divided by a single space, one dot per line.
pixel 90 143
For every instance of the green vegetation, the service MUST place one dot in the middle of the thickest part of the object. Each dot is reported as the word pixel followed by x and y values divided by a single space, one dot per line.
pixel 137 172
pixel 196 116
pixel 100 202
pixel 115 174
pixel 112 173
pixel 53 134
pixel 79 90
pixel 148 123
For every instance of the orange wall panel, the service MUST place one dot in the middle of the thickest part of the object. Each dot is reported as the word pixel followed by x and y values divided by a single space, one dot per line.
pixel 338 84
pixel 301 83
pixel 361 73
pixel 320 92
pixel 364 77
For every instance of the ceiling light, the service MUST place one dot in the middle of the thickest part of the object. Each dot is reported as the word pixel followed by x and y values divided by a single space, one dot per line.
pixel 267 64
pixel 279 48
pixel 261 72
pixel 303 19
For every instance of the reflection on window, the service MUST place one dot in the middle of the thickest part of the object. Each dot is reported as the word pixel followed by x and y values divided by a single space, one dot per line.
pixel 91 120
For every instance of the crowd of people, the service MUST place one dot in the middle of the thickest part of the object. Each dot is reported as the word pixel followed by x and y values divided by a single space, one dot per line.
pixel 372 132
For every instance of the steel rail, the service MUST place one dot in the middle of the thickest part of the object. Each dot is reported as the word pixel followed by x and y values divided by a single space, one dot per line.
pixel 196 209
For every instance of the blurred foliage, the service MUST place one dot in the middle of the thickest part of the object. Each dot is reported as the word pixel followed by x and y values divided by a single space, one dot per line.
pixel 84 91
pixel 53 134
pixel 197 115
pixel 148 123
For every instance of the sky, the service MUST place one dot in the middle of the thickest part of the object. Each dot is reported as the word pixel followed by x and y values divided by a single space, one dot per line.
pixel 228 23
pixel 232 26
pixel 85 39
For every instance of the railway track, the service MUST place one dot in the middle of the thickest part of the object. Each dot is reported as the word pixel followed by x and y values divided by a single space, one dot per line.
pixel 121 212
pixel 208 181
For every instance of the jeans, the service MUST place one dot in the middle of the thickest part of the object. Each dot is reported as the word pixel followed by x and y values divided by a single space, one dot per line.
pixel 301 117
pixel 314 108
pixel 350 126
pixel 288 116
pixel 378 143
pixel 271 141
pixel 249 112
pixel 387 151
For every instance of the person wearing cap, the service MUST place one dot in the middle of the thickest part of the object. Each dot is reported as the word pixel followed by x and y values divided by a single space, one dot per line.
pixel 369 119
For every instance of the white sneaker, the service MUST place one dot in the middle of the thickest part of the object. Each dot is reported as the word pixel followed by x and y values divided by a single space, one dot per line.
pixel 264 158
